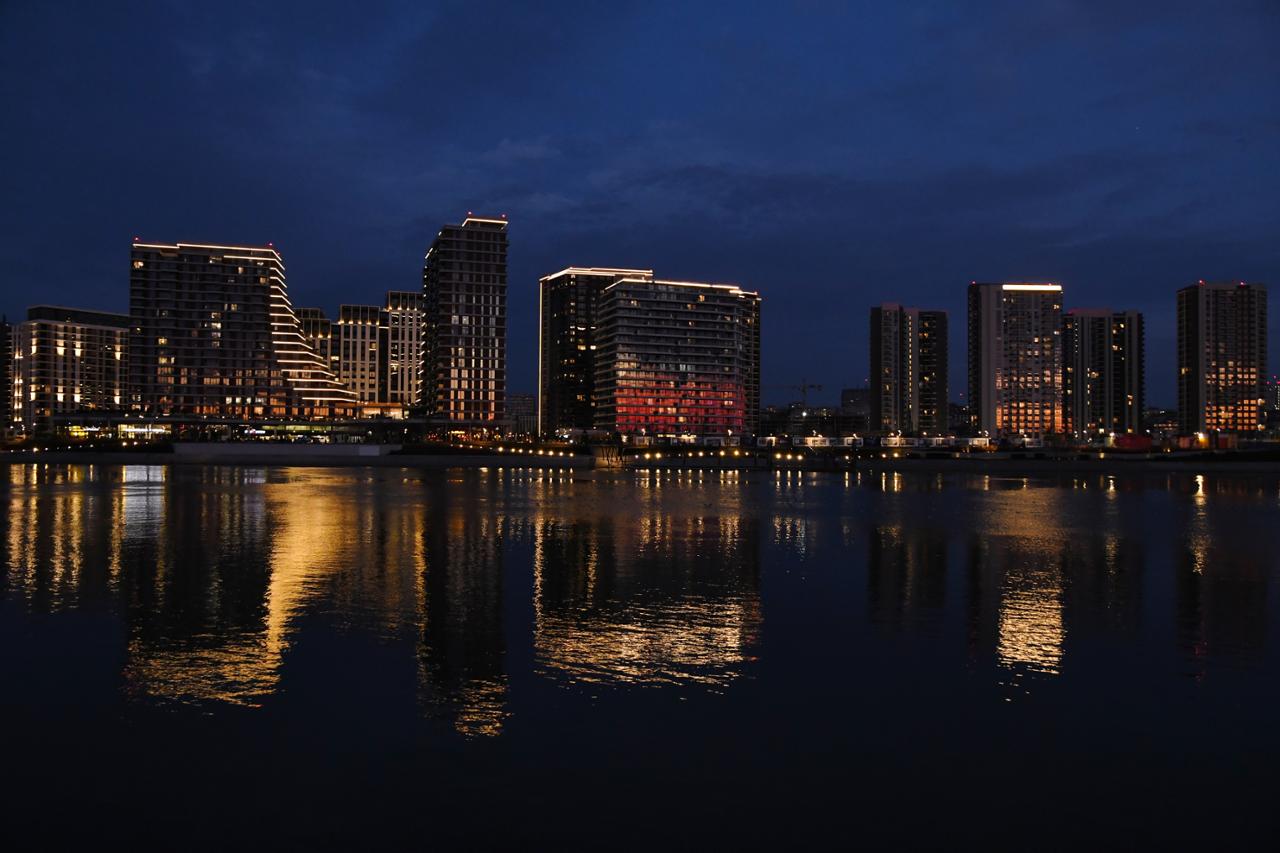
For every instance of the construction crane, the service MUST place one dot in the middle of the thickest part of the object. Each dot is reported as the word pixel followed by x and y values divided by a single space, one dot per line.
pixel 804 388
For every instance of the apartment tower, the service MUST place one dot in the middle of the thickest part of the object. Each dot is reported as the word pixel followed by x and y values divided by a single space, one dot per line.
pixel 67 361
pixel 677 358
pixel 1015 359
pixel 404 322
pixel 464 348
pixel 568 307
pixel 362 343
pixel 1222 357
pixel 909 387
pixel 1103 356
pixel 214 335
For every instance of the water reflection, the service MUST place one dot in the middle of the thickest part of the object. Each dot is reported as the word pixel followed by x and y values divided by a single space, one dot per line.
pixel 1221 587
pixel 1016 577
pixel 462 648
pixel 214 579
pixel 907 577
pixel 665 600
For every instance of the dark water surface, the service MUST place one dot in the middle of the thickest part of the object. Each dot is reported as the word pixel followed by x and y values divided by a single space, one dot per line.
pixel 250 657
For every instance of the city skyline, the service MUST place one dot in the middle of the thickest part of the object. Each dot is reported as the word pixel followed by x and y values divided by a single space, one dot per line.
pixel 212 332
pixel 953 151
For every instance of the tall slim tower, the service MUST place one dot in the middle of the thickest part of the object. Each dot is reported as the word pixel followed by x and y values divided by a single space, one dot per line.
pixel 1103 356
pixel 6 375
pixel 1222 357
pixel 464 350
pixel 1015 358
pixel 908 370
pixel 362 345
pixel 568 309
pixel 404 346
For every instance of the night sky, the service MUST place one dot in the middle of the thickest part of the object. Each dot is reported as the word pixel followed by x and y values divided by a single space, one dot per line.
pixel 830 155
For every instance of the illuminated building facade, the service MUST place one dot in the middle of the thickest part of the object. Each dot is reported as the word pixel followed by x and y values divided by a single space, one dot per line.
pixel 677 358
pixel 1015 359
pixel 317 328
pixel 464 348
pixel 909 367
pixel 568 305
pixel 6 374
pixel 403 318
pixel 1222 357
pixel 66 360
pixel 1103 355
pixel 215 336
pixel 362 334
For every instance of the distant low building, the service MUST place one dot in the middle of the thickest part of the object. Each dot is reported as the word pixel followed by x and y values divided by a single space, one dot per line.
pixel 800 420
pixel 855 407
pixel 522 411
pixel 1161 423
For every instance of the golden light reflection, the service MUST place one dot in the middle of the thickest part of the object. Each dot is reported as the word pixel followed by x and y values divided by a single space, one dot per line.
pixel 1019 566
pixel 230 644
pixel 1031 631
pixel 63 538
pixel 670 599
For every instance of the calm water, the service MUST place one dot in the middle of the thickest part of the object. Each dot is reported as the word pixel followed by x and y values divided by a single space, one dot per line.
pixel 222 657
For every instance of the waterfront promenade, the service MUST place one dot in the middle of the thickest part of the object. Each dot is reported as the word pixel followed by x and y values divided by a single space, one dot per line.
pixel 395 456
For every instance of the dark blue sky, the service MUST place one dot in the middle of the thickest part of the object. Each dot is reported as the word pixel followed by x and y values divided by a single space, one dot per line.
pixel 830 155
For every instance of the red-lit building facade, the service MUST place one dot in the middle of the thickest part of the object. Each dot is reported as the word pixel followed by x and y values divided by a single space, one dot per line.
pixel 676 359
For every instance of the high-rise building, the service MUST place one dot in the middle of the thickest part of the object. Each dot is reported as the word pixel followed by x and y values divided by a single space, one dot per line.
pixel 6 375
pixel 908 370
pixel 1222 357
pixel 464 349
pixel 362 334
pixel 1015 359
pixel 66 360
pixel 677 358
pixel 1103 356
pixel 317 328
pixel 214 335
pixel 568 305
pixel 404 322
